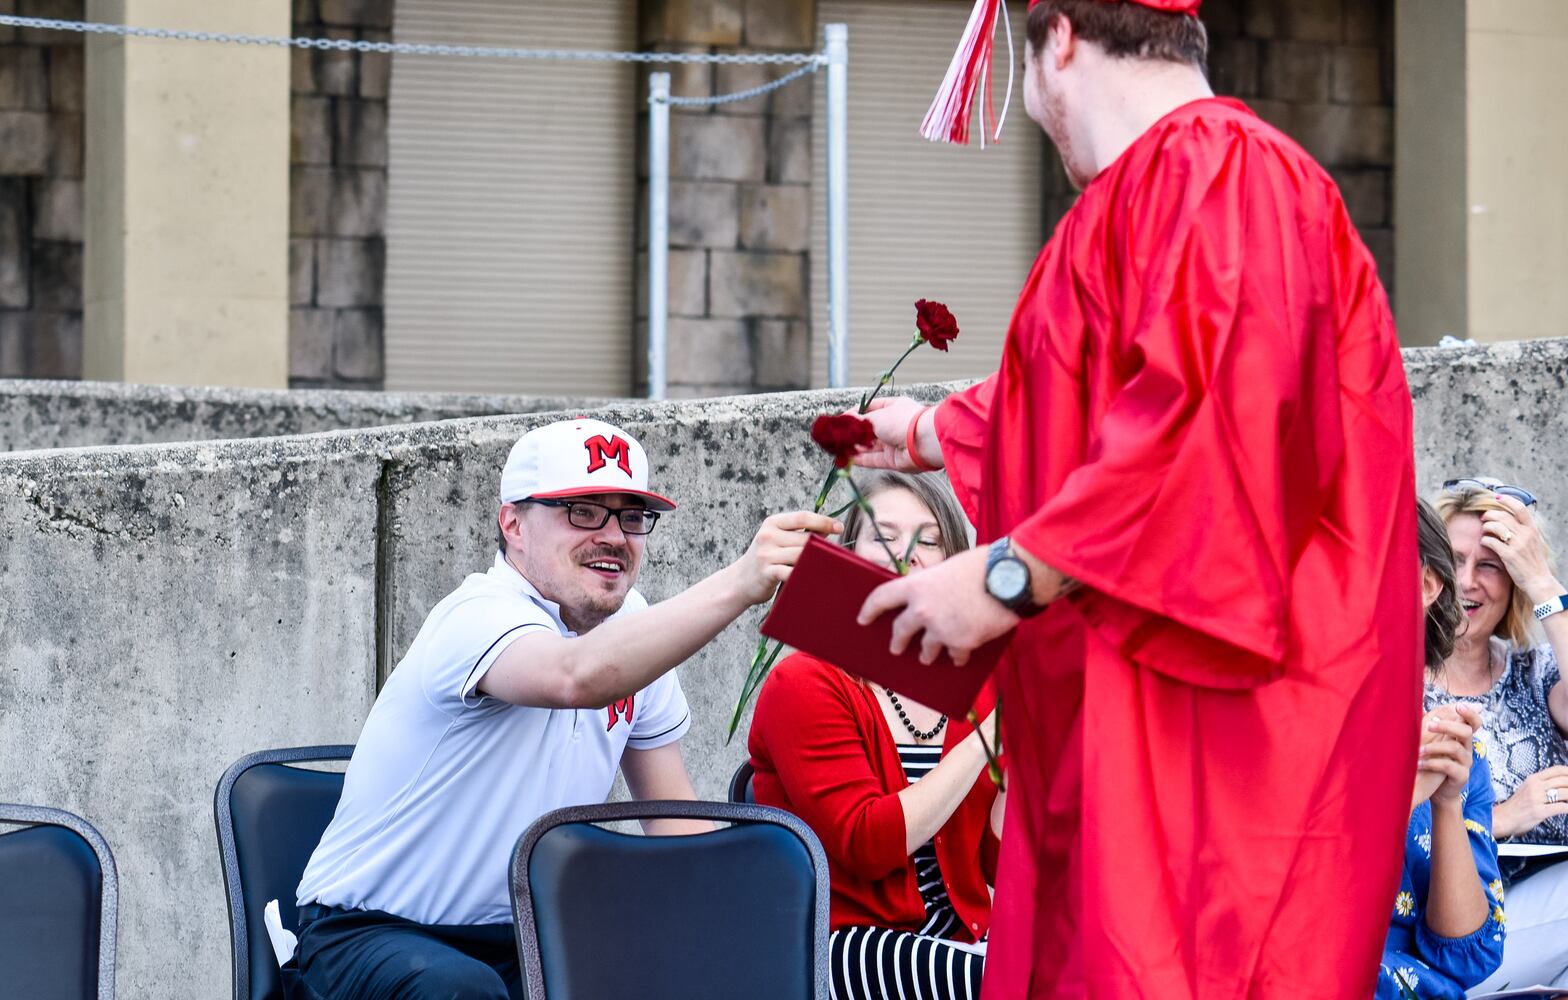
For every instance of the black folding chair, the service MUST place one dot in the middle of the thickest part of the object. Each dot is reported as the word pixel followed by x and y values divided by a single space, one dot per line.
pixel 59 902
pixel 740 911
pixel 740 784
pixel 270 818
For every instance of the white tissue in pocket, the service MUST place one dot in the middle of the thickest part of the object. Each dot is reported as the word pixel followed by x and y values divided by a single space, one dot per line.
pixel 283 940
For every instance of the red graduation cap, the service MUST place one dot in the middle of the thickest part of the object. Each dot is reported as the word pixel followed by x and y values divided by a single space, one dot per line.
pixel 947 120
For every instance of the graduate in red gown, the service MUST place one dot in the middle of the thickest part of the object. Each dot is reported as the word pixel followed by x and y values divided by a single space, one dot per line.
pixel 1197 457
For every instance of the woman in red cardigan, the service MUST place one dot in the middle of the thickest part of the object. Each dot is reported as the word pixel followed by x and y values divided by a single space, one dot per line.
pixel 896 791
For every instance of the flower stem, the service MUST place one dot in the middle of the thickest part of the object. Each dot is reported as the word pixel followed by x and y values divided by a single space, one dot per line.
pixel 887 376
pixel 865 507
pixel 993 749
pixel 761 663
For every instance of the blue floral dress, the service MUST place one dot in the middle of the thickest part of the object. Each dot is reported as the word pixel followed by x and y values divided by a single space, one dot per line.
pixel 1433 967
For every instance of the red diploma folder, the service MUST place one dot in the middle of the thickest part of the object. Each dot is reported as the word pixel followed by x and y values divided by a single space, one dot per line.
pixel 815 612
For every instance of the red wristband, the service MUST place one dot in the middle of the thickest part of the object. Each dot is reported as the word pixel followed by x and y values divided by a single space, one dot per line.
pixel 911 446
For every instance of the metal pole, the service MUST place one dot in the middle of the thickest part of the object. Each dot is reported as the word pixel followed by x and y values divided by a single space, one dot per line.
pixel 838 205
pixel 658 231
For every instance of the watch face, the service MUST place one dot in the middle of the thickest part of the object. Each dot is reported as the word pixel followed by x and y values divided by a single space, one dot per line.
pixel 1007 579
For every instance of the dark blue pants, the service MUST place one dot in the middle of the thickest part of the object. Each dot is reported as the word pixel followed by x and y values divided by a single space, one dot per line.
pixel 372 955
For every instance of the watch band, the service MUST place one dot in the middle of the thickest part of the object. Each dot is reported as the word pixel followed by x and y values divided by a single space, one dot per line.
pixel 1546 609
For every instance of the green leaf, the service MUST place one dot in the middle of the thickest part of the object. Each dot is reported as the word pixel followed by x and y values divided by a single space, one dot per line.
pixel 834 475
pixel 993 749
pixel 761 663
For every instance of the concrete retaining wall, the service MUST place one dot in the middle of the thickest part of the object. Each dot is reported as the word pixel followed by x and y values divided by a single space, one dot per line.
pixel 42 414
pixel 168 608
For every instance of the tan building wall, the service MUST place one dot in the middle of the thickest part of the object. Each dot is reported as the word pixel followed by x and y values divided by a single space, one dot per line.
pixel 186 236
pixel 1478 197
pixel 1517 159
pixel 1485 197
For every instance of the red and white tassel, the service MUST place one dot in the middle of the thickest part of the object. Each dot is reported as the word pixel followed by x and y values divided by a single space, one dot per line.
pixel 968 76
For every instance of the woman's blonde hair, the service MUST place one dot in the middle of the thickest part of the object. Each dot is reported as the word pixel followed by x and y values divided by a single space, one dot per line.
pixel 930 490
pixel 1518 623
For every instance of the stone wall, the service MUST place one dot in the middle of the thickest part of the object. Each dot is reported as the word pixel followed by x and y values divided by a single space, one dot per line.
pixel 338 197
pixel 176 606
pixel 41 103
pixel 39 414
pixel 740 200
pixel 1322 72
pixel 172 607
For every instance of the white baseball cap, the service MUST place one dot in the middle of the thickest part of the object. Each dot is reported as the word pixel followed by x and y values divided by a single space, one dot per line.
pixel 576 457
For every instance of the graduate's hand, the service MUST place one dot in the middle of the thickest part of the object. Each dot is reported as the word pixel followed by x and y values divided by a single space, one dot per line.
pixel 945 607
pixel 890 417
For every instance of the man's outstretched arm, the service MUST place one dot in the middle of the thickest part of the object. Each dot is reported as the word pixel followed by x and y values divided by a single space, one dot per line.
pixel 624 655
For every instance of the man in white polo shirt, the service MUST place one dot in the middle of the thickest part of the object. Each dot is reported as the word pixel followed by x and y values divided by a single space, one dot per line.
pixel 523 692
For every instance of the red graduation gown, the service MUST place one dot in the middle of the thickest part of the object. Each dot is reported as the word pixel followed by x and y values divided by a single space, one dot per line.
pixel 1201 414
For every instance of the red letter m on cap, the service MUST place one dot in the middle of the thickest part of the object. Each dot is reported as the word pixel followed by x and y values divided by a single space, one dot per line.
pixel 601 451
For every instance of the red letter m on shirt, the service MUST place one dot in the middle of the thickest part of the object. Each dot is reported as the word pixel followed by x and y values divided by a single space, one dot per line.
pixel 618 709
pixel 601 451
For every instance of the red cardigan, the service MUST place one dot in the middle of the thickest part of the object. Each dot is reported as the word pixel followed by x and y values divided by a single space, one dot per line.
pixel 822 750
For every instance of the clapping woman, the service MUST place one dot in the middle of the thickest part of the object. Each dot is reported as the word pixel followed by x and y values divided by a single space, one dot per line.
pixel 1446 931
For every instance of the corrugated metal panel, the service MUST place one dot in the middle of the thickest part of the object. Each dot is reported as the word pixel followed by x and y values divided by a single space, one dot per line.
pixel 955 224
pixel 511 201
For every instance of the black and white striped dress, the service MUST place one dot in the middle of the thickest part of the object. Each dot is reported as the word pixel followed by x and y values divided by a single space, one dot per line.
pixel 876 963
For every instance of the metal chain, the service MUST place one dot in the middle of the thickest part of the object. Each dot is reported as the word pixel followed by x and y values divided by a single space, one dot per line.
pixel 811 59
pixel 742 95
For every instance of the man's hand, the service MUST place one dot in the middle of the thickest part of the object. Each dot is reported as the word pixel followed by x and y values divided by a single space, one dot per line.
pixel 772 554
pixel 890 418
pixel 946 607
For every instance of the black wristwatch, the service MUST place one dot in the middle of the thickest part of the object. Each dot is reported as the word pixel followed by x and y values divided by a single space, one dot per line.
pixel 1007 579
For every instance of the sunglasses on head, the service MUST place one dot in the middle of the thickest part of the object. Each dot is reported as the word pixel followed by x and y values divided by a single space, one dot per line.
pixel 1518 493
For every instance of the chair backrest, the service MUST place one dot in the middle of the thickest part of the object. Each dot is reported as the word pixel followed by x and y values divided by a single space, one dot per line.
pixel 59 898
pixel 270 818
pixel 740 911
pixel 740 784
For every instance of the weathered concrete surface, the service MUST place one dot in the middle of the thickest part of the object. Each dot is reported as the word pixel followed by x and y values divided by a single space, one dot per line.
pixel 38 414
pixel 167 608
pixel 164 611
pixel 1499 410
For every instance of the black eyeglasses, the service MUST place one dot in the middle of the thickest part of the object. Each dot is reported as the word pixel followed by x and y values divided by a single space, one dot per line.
pixel 1519 493
pixel 593 516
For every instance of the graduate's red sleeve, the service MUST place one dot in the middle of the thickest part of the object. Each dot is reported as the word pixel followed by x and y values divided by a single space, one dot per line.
pixel 1187 514
pixel 961 421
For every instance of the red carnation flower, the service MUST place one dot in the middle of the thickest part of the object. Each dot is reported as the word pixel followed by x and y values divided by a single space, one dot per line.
pixel 935 323
pixel 841 435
